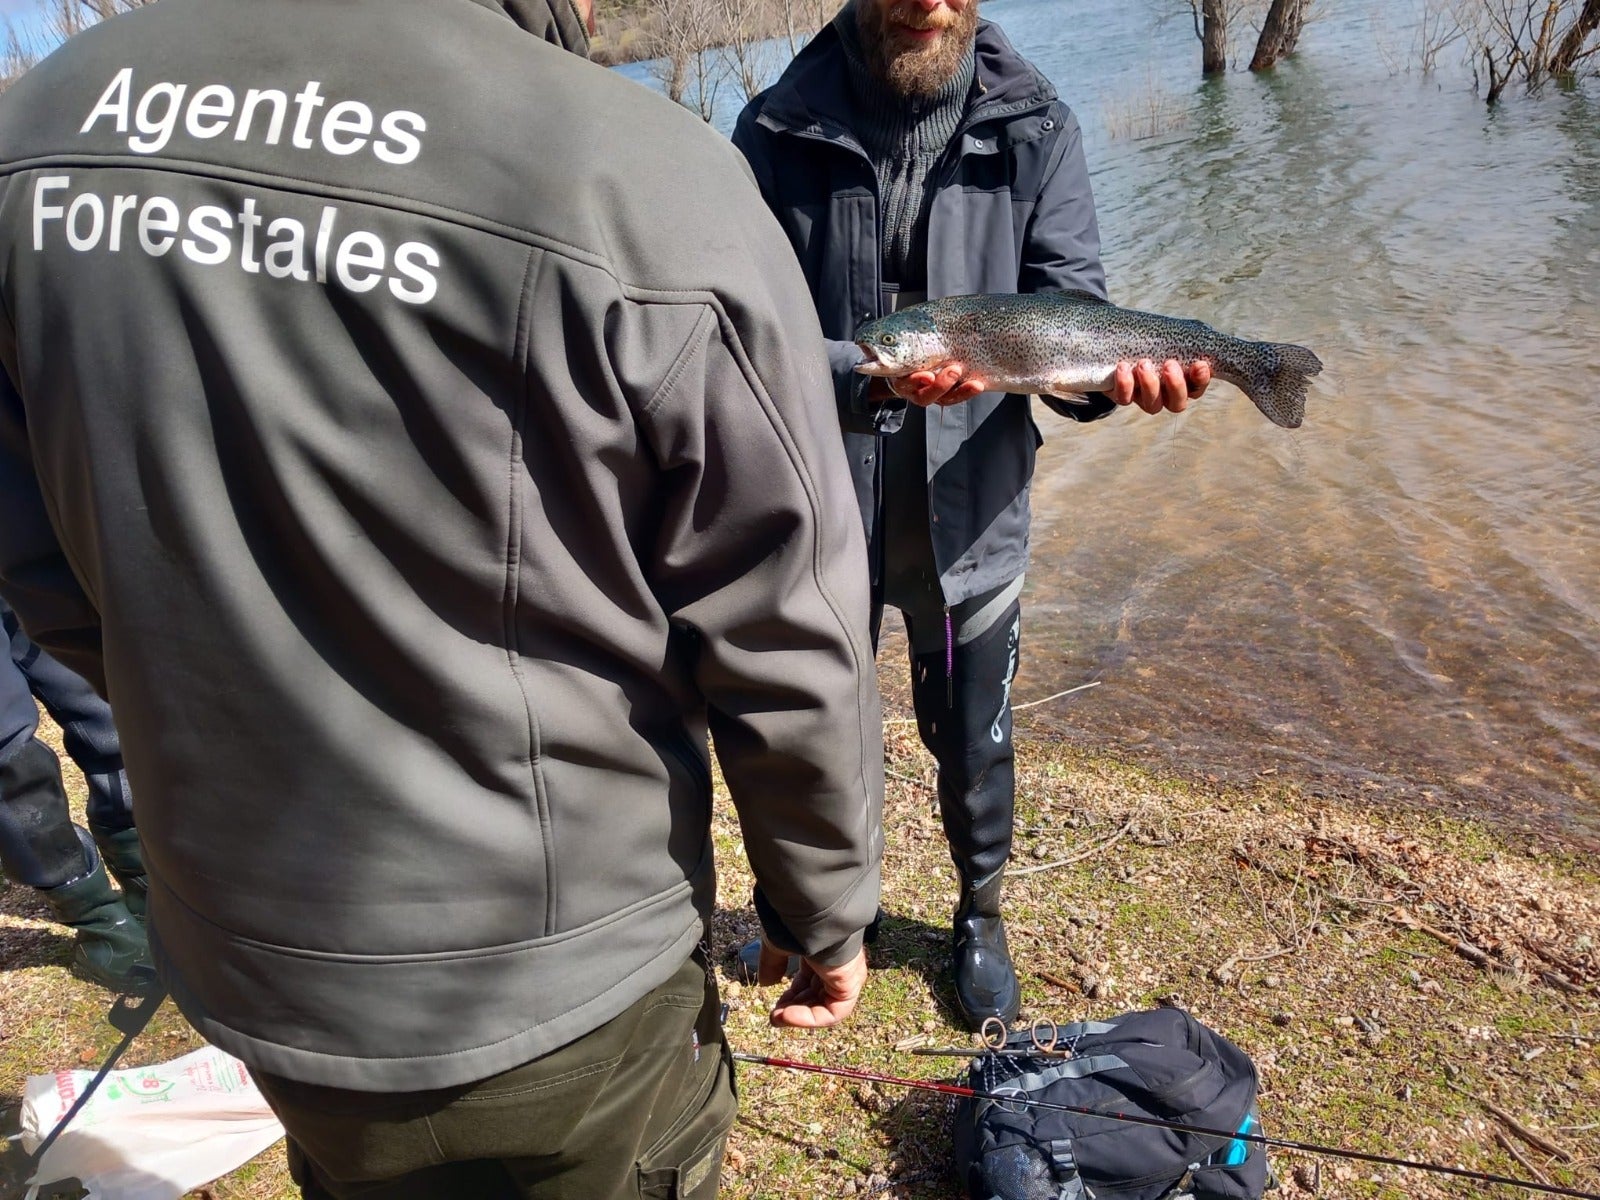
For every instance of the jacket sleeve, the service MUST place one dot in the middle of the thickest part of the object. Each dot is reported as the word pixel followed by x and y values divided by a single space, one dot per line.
pixel 36 579
pixel 857 414
pixel 760 555
pixel 1061 247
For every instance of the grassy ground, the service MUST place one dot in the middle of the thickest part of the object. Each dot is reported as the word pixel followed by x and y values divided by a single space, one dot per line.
pixel 1394 975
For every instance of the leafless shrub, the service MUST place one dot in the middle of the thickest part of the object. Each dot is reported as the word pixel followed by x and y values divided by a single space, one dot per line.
pixel 700 45
pixel 1528 42
pixel 1437 29
pixel 60 20
pixel 1151 111
pixel 749 55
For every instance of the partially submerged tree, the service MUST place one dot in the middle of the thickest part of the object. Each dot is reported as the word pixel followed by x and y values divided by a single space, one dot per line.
pixel 1214 23
pixel 1280 33
pixel 1577 44
pixel 1213 31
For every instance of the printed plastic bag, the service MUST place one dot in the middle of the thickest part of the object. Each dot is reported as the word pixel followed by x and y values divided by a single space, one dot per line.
pixel 149 1133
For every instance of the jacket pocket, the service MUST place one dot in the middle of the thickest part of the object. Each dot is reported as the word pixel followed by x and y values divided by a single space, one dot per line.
pixel 686 1163
pixel 692 759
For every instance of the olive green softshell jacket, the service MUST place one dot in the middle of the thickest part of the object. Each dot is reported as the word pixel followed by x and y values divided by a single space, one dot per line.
pixel 422 436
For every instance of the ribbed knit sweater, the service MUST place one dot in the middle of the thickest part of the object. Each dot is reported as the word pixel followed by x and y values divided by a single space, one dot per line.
pixel 905 137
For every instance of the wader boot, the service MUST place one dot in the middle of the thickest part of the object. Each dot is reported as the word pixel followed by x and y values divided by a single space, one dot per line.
pixel 119 851
pixel 40 847
pixel 986 982
pixel 962 697
pixel 111 949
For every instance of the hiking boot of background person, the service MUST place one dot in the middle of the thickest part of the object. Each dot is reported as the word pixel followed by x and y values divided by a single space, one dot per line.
pixel 119 851
pixel 111 949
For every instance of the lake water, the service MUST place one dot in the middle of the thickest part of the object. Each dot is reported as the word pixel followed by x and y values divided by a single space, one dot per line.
pixel 1400 600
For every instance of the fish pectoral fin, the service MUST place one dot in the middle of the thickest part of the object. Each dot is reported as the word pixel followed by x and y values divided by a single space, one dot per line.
pixel 1066 395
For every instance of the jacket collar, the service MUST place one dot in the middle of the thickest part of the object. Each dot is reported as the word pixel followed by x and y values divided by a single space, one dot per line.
pixel 554 21
pixel 813 95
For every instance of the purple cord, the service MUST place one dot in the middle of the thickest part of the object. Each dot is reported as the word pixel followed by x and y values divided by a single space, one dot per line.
pixel 949 660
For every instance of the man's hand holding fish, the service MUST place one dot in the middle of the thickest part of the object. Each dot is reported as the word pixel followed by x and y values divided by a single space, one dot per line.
pixel 1169 387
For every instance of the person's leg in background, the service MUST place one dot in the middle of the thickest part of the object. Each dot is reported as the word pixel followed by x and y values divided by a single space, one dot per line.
pixel 89 736
pixel 40 846
pixel 963 662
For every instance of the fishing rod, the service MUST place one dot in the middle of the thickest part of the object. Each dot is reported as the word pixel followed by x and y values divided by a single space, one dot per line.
pixel 1014 1098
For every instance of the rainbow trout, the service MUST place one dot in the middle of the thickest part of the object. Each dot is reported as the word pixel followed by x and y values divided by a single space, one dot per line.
pixel 1067 344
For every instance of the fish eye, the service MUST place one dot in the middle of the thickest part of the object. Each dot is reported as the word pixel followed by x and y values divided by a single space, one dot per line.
pixel 890 339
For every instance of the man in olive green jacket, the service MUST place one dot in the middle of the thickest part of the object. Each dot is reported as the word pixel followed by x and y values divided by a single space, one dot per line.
pixel 423 438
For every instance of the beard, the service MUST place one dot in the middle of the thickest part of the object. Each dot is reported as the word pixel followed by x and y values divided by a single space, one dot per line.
pixel 914 71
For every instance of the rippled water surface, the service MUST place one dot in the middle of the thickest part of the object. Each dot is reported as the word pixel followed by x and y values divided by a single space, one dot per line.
pixel 1401 598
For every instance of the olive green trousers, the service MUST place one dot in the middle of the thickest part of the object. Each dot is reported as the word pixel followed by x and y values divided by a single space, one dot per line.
pixel 641 1107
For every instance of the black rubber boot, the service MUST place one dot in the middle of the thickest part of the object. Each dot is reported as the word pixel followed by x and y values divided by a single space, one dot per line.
pixel 985 981
pixel 111 948
pixel 962 698
pixel 120 853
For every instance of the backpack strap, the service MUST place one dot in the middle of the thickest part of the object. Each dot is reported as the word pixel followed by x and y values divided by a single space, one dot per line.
pixel 1072 1068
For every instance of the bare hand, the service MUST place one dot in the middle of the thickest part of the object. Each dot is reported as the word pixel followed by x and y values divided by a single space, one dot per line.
pixel 818 996
pixel 937 389
pixel 1170 388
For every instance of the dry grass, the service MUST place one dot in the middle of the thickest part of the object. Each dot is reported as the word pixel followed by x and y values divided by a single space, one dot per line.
pixel 1369 1032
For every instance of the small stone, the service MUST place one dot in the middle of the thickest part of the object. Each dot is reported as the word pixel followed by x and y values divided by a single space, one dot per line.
pixel 1272 982
pixel 1041 851
pixel 1344 1022
pixel 814 1129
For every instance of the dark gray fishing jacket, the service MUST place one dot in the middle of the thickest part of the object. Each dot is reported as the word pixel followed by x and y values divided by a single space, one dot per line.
pixel 422 436
pixel 1012 212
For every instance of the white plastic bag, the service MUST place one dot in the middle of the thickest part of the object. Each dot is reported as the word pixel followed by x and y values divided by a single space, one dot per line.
pixel 149 1133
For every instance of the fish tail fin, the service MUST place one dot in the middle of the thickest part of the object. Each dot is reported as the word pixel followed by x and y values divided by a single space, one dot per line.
pixel 1278 383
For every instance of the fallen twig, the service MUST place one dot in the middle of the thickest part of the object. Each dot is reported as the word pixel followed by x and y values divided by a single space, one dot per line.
pixel 1079 856
pixel 1057 981
pixel 1082 687
pixel 1220 973
pixel 1536 1140
pixel 1506 1144
pixel 1467 950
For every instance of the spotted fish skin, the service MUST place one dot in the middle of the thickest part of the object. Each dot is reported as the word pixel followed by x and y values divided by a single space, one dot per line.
pixel 1068 344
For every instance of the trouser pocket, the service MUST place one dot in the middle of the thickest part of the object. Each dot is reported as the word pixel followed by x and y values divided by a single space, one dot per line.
pixel 686 1162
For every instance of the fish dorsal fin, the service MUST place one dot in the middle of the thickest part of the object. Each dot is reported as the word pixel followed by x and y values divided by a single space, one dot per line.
pixel 1081 295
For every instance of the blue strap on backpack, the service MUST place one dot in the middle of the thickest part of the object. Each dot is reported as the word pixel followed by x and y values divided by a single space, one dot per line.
pixel 1161 1064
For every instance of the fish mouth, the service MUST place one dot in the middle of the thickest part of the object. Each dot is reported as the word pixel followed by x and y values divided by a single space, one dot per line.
pixel 870 363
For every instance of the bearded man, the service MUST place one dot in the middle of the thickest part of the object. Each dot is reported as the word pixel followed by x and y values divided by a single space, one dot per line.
pixel 911 153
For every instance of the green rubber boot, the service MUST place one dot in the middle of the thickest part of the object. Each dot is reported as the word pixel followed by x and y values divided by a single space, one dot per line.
pixel 111 949
pixel 120 852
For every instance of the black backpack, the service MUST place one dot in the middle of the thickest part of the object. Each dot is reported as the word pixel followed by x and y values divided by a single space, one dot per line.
pixel 1162 1064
